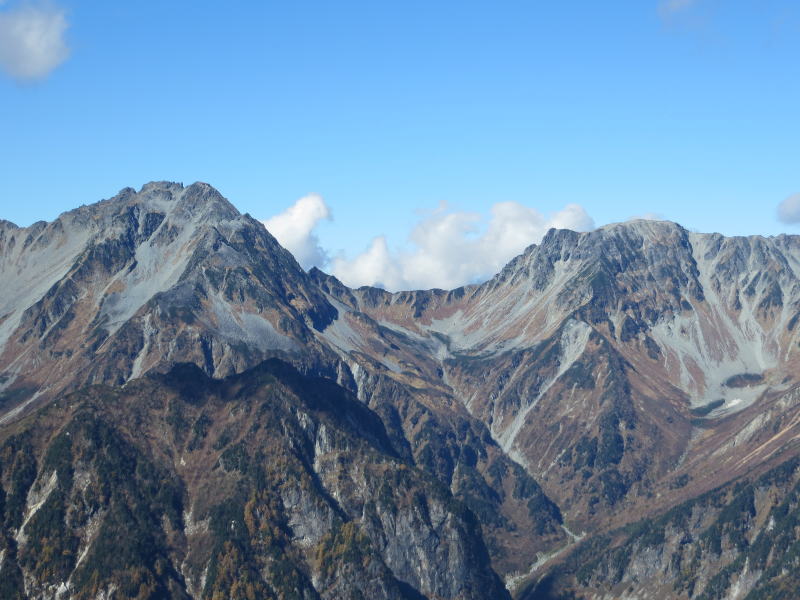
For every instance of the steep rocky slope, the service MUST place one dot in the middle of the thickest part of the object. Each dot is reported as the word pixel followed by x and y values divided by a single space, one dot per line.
pixel 109 291
pixel 599 379
pixel 591 349
pixel 173 274
pixel 266 484
pixel 738 541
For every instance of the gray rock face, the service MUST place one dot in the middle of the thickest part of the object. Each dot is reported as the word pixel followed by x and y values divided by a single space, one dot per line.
pixel 144 280
pixel 590 348
pixel 599 378
pixel 737 541
pixel 266 484
pixel 172 274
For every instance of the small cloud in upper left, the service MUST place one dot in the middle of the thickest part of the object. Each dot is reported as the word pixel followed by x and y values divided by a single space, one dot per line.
pixel 32 39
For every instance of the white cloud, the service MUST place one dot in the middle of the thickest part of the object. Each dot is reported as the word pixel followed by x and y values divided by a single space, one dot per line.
pixel 375 266
pixel 449 249
pixel 32 40
pixel 445 249
pixel 294 229
pixel 789 210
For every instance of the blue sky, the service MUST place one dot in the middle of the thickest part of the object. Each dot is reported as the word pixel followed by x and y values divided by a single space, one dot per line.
pixel 685 109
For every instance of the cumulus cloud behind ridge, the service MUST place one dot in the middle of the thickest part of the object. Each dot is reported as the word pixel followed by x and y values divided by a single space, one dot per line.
pixel 32 41
pixel 451 248
pixel 294 229
pixel 446 248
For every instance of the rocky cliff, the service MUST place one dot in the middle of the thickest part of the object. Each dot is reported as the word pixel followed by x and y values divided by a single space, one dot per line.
pixel 267 484
pixel 599 380
pixel 107 292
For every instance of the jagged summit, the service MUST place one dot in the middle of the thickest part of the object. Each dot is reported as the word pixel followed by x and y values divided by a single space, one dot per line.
pixel 642 225
pixel 194 202
pixel 113 289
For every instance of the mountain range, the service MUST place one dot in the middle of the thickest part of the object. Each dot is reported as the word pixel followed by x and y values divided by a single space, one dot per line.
pixel 186 413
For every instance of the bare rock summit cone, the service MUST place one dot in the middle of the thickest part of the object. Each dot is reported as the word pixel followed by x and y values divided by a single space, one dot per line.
pixel 168 274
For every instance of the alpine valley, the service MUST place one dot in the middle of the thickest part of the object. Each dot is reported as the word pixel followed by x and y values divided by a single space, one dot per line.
pixel 186 413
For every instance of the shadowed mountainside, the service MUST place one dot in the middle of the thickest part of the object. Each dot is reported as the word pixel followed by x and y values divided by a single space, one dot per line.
pixel 265 484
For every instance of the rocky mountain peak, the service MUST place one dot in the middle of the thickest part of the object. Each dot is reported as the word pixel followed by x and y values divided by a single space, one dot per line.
pixel 145 278
pixel 643 266
pixel 195 205
pixel 649 228
pixel 599 377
